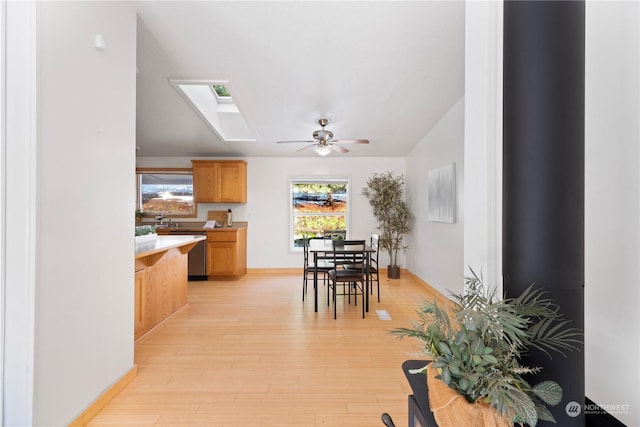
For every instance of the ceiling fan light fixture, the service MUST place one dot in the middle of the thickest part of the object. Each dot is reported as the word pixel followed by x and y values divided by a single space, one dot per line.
pixel 322 150
pixel 323 142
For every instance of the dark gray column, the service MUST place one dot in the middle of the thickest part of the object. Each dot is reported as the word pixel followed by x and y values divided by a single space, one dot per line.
pixel 543 206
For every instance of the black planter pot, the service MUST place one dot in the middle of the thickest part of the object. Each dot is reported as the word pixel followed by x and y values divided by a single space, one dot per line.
pixel 393 271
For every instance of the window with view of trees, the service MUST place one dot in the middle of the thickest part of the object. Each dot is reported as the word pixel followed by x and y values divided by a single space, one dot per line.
pixel 165 191
pixel 318 208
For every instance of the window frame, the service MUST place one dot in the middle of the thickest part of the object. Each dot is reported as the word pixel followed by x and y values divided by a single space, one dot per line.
pixel 178 171
pixel 316 179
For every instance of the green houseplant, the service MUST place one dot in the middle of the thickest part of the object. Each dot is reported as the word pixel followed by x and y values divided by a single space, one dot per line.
pixel 384 192
pixel 478 342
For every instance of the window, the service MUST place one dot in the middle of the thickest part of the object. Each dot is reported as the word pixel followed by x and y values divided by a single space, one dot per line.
pixel 165 191
pixel 319 207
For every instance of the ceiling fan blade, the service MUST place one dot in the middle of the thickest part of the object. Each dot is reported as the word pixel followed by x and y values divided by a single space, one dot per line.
pixel 305 148
pixel 352 141
pixel 299 142
pixel 339 149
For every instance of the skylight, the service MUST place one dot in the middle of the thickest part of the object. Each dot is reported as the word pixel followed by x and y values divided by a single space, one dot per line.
pixel 213 102
pixel 221 91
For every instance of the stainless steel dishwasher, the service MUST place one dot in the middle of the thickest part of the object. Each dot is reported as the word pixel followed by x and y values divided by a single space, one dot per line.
pixel 197 256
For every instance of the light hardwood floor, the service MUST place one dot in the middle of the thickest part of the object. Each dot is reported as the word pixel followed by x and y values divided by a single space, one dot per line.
pixel 252 353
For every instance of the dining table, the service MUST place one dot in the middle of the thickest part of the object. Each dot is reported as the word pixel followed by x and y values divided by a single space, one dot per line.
pixel 326 248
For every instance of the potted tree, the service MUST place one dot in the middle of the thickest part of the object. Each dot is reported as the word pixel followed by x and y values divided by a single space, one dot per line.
pixel 384 192
pixel 476 345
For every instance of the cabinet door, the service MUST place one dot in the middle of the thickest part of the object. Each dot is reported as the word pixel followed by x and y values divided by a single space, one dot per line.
pixel 232 182
pixel 221 258
pixel 205 188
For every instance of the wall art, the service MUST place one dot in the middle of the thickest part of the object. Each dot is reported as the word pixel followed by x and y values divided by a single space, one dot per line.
pixel 442 194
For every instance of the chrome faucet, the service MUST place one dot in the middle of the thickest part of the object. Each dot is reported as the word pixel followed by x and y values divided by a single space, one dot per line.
pixel 160 218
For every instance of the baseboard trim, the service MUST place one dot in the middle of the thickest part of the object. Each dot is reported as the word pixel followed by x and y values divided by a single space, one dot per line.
pixel 106 397
pixel 291 271
pixel 440 297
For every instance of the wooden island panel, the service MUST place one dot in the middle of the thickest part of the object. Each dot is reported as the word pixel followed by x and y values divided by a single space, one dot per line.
pixel 161 281
pixel 142 295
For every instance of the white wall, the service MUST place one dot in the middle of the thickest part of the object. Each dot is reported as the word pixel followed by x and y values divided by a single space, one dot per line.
pixel 470 135
pixel 267 207
pixel 483 140
pixel 436 252
pixel 17 264
pixel 612 222
pixel 85 157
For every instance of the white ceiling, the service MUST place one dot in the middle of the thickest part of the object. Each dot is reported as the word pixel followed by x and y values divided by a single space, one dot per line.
pixel 383 71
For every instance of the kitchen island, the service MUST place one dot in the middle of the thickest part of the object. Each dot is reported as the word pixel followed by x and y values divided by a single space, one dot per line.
pixel 160 279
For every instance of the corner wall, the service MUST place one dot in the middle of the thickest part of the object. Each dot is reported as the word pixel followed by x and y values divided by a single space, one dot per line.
pixel 612 207
pixel 436 250
pixel 85 194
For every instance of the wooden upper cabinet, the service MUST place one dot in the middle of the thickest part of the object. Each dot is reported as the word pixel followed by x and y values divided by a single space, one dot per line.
pixel 204 181
pixel 219 181
pixel 232 179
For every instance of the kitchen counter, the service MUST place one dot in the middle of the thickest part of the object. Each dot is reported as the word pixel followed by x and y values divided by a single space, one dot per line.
pixel 164 243
pixel 198 226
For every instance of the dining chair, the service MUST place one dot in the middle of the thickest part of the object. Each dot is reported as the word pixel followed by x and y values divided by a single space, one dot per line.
pixel 372 268
pixel 324 265
pixel 351 279
pixel 348 260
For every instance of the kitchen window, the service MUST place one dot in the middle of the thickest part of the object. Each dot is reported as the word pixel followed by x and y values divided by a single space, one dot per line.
pixel 319 208
pixel 166 191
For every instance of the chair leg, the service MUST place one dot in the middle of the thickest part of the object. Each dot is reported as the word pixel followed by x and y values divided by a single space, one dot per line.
pixel 364 292
pixel 304 284
pixel 355 292
pixel 335 304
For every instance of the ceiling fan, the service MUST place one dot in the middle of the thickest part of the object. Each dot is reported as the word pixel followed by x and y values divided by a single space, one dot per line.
pixel 323 142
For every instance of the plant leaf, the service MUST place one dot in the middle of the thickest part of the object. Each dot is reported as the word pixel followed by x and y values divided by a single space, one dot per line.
pixel 544 414
pixel 444 348
pixel 445 376
pixel 549 392
pixel 454 369
pixel 470 324
pixel 490 358
pixel 463 383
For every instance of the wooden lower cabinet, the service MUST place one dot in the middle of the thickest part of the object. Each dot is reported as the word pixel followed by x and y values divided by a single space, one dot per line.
pixel 227 254
pixel 223 258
